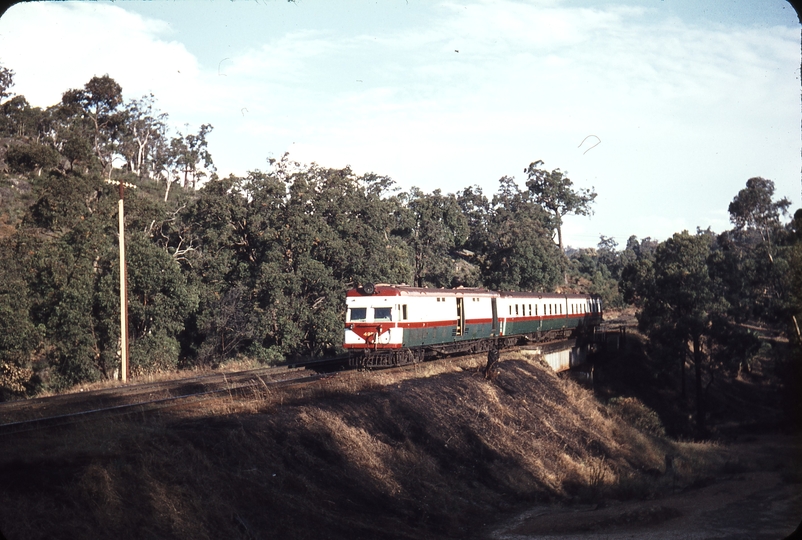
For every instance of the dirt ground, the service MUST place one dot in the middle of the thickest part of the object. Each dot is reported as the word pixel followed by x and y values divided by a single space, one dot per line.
pixel 747 504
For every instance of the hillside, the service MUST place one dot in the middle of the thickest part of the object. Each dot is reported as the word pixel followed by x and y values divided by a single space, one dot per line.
pixel 434 452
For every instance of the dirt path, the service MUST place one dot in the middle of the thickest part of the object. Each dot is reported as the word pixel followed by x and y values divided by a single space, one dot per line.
pixel 757 504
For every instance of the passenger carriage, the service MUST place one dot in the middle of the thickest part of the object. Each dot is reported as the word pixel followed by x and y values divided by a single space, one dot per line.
pixel 397 324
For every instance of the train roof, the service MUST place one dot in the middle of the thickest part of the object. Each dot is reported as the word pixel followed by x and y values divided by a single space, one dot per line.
pixel 516 294
pixel 405 290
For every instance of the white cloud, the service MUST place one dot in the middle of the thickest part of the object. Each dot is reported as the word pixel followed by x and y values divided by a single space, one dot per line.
pixel 85 39
pixel 685 112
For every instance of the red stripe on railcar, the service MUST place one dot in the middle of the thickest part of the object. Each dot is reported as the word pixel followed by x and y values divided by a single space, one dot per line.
pixel 372 346
pixel 425 324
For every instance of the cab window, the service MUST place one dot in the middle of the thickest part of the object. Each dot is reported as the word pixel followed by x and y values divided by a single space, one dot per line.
pixel 382 314
pixel 357 313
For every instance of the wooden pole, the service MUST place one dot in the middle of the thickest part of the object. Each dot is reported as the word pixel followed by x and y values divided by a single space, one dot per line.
pixel 124 350
pixel 123 295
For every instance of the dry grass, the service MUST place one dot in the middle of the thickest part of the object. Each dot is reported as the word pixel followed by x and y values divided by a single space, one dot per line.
pixel 230 366
pixel 432 452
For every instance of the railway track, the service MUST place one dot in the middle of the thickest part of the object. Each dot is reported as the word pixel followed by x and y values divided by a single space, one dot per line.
pixel 46 412
pixel 66 409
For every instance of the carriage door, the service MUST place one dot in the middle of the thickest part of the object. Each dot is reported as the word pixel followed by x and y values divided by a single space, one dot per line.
pixel 460 316
pixel 494 323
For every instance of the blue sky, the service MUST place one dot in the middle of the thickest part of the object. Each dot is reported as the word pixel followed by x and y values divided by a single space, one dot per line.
pixel 688 98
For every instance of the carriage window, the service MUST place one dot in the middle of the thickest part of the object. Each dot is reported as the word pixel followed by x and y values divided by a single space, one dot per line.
pixel 530 310
pixel 382 314
pixel 535 309
pixel 357 313
pixel 404 312
pixel 510 309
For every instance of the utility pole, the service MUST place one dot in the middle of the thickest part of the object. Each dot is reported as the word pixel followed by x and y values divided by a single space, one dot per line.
pixel 123 284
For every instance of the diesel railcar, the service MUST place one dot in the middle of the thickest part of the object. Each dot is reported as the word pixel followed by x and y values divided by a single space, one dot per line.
pixel 390 325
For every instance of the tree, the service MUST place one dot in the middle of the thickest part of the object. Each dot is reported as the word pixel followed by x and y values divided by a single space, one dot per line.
pixel 144 131
pixel 97 104
pixel 159 301
pixel 518 252
pixel 19 120
pixel 754 261
pixel 191 157
pixel 753 210
pixel 553 190
pixel 791 369
pixel 602 267
pixel 433 226
pixel 678 300
pixel 19 337
pixel 274 253
pixel 32 157
pixel 6 82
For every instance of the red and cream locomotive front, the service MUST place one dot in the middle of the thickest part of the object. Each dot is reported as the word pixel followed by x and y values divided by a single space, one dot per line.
pixel 371 320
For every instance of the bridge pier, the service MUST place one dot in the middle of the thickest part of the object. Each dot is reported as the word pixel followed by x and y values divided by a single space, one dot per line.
pixel 560 355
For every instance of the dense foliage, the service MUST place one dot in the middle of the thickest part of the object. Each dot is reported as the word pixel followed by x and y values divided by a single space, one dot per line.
pixel 257 266
pixel 217 267
pixel 702 297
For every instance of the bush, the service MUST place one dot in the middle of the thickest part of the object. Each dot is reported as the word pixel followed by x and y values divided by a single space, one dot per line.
pixel 26 158
pixel 153 353
pixel 14 381
pixel 635 413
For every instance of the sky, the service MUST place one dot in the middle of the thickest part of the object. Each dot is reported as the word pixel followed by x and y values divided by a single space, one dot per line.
pixel 664 107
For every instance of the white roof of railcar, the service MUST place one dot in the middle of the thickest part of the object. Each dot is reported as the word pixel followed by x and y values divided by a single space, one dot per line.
pixel 383 289
pixel 405 290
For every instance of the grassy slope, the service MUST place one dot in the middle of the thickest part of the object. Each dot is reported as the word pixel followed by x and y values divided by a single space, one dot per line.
pixel 359 456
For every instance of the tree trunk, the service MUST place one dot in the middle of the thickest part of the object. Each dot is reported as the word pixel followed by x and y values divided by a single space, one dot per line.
pixel 167 190
pixel 682 374
pixel 697 364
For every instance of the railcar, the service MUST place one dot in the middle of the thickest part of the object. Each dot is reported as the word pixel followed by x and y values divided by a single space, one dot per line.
pixel 390 325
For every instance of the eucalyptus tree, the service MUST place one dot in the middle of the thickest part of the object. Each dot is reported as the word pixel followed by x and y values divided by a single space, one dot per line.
pixel 754 261
pixel 553 190
pixel 144 132
pixel 190 156
pixel 95 110
pixel 754 210
pixel 330 231
pixel 518 251
pixel 6 82
pixel 21 121
pixel 433 226
pixel 678 301
pixel 274 253
pixel 597 271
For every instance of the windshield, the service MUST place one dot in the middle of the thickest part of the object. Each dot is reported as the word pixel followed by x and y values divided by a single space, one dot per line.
pixel 357 314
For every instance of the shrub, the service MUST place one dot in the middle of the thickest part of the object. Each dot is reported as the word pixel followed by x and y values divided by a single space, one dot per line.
pixel 636 414
pixel 154 353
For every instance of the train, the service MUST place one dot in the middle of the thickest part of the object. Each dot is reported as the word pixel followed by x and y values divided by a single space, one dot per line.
pixel 391 325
